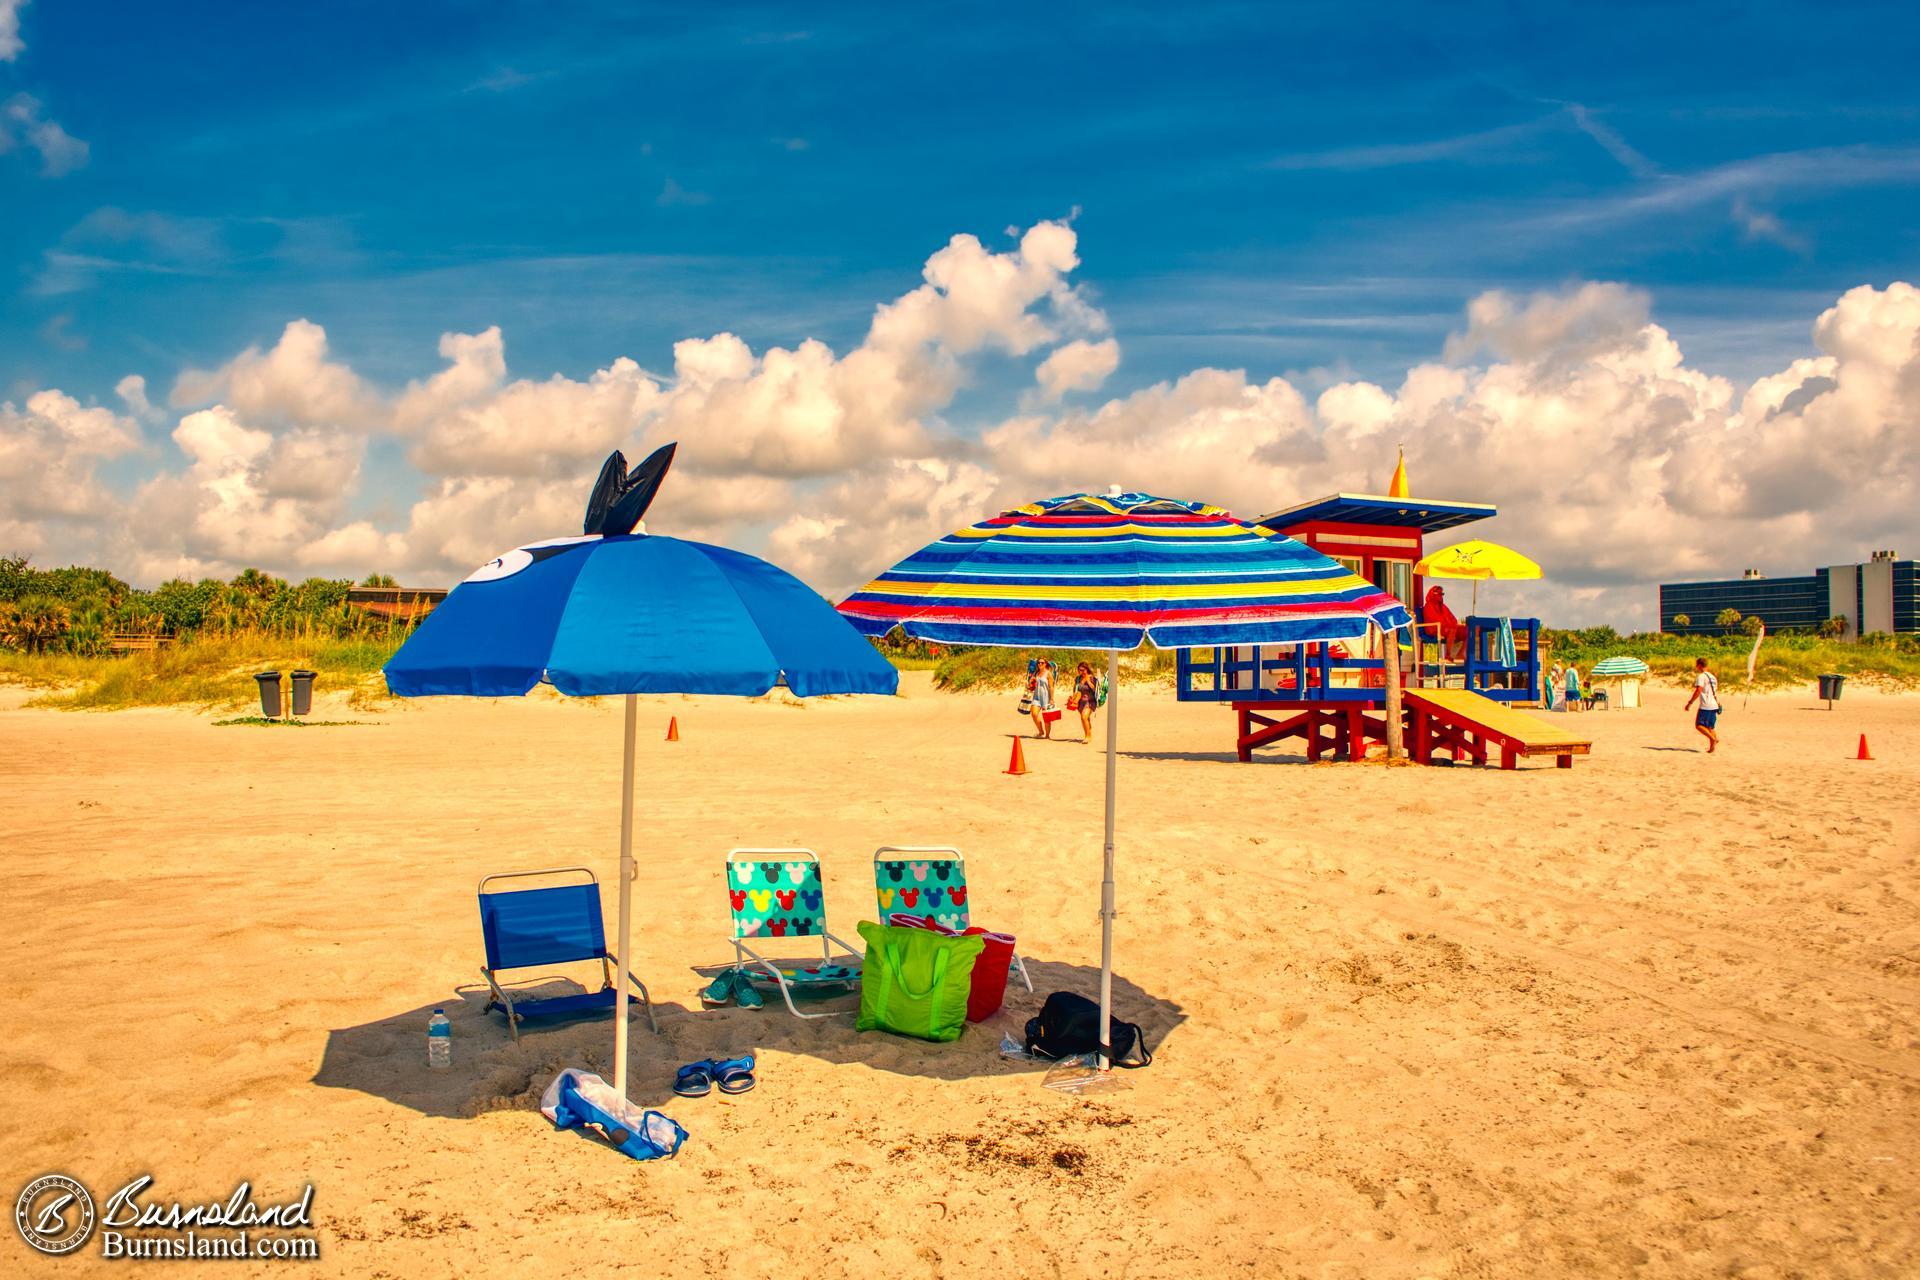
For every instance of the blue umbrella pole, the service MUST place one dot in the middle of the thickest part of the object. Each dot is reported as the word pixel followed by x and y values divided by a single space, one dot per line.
pixel 1106 879
pixel 626 903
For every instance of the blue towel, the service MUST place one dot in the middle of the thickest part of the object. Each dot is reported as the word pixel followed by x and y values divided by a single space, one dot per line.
pixel 1503 644
pixel 579 1097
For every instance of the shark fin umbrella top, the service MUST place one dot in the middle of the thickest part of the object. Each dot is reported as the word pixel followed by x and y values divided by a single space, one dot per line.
pixel 1113 572
pixel 613 611
pixel 620 499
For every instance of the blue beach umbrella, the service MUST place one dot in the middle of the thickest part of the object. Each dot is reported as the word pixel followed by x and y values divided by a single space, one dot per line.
pixel 1113 573
pixel 617 612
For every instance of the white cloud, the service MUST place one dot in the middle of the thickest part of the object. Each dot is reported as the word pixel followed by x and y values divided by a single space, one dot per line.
pixel 10 42
pixel 49 448
pixel 1613 461
pixel 1077 366
pixel 23 123
pixel 291 382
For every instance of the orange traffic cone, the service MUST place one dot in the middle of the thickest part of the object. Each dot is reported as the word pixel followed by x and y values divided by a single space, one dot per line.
pixel 1018 764
pixel 1864 753
pixel 673 728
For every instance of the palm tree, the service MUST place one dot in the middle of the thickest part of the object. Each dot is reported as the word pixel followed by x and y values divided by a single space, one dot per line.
pixel 254 582
pixel 379 580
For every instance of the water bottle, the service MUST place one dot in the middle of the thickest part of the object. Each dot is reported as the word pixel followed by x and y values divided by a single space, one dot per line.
pixel 439 1041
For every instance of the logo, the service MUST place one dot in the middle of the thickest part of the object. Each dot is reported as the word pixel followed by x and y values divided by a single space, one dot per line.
pixel 55 1214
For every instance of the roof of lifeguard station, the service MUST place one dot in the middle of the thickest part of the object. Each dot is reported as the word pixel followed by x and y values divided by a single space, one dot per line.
pixel 1425 514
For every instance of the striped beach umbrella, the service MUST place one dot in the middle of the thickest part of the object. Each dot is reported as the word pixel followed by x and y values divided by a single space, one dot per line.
pixel 1113 573
pixel 1619 665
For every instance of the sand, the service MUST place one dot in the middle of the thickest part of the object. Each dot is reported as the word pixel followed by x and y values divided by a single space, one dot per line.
pixel 1654 1015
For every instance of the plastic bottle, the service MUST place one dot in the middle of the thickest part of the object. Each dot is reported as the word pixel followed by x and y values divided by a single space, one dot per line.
pixel 439 1041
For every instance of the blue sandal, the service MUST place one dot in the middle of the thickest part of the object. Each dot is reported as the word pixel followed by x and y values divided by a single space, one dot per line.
pixel 695 1080
pixel 733 1075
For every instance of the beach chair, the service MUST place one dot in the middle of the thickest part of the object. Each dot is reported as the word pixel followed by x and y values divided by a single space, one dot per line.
pixel 776 894
pixel 928 880
pixel 554 924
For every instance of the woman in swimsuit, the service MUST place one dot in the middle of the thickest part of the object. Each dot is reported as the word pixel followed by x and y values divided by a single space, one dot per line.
pixel 1086 693
pixel 1041 686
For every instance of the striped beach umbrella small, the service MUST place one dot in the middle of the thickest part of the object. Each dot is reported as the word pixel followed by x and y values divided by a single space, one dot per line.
pixel 1113 573
pixel 1619 665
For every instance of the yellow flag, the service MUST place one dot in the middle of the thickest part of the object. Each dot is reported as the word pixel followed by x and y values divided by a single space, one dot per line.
pixel 1399 489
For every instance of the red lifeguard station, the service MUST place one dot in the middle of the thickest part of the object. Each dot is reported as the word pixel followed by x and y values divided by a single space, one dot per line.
pixel 1334 697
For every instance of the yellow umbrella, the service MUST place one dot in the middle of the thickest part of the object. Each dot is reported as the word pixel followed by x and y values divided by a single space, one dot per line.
pixel 1476 560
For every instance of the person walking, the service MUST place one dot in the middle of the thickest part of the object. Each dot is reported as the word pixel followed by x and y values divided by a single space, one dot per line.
pixel 1086 699
pixel 1041 687
pixel 1706 691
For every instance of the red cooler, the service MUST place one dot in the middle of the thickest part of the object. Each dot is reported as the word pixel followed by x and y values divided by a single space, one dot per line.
pixel 989 990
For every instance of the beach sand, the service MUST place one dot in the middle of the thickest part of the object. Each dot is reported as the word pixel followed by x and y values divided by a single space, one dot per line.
pixel 1654 1015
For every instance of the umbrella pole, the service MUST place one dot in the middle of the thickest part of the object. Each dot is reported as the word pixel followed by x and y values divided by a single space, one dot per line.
pixel 626 903
pixel 1106 879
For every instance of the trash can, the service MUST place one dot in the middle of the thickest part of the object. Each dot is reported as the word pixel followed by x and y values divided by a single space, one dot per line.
pixel 269 694
pixel 303 691
pixel 1830 687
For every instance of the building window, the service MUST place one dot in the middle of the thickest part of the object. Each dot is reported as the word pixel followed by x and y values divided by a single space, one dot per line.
pixel 1351 564
pixel 1395 577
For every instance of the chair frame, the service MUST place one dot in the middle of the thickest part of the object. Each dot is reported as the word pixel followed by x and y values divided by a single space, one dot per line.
pixel 879 856
pixel 503 999
pixel 746 957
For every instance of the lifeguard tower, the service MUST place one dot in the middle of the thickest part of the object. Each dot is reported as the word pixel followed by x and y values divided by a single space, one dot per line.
pixel 1334 695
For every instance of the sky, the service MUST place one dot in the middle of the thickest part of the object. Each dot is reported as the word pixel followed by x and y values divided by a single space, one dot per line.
pixel 354 288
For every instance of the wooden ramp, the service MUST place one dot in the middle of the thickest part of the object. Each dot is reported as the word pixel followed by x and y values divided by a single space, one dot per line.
pixel 1465 724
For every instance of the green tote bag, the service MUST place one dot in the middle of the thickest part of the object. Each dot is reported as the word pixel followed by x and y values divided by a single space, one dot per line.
pixel 915 982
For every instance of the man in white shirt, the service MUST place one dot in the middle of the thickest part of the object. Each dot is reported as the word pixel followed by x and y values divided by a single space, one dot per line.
pixel 1706 689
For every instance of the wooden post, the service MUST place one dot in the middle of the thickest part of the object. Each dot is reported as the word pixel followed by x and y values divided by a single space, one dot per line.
pixel 1390 655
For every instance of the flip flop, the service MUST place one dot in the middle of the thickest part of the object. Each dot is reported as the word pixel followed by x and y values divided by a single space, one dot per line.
pixel 744 993
pixel 695 1080
pixel 733 1075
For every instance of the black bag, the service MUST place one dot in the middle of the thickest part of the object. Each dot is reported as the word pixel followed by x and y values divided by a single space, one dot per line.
pixel 1069 1024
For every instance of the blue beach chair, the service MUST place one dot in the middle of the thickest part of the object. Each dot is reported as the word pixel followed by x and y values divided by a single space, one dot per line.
pixel 534 928
pixel 928 880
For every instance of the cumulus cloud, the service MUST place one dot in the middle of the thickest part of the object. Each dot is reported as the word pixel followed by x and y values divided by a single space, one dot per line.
pixel 1077 366
pixel 50 448
pixel 1613 461
pixel 292 382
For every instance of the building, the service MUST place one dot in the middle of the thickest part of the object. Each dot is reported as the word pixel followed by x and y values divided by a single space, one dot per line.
pixel 1882 595
pixel 405 604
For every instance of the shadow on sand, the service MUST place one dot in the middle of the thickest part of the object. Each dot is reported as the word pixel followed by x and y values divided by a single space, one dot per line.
pixel 386 1058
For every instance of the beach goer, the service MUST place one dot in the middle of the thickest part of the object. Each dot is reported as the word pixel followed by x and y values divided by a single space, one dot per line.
pixel 1554 679
pixel 1041 687
pixel 1574 700
pixel 1086 699
pixel 1706 691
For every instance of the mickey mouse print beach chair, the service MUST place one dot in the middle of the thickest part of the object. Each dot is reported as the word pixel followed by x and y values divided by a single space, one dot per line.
pixel 776 899
pixel 931 881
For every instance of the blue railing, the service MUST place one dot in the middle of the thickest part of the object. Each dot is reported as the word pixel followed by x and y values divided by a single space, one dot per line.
pixel 1316 673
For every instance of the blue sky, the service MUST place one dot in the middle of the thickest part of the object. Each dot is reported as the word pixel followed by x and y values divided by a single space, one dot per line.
pixel 1309 191
pixel 1275 187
